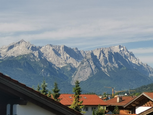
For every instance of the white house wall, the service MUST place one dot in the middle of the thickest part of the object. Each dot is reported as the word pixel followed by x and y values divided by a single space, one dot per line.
pixel 31 109
pixel 89 111
pixel 141 109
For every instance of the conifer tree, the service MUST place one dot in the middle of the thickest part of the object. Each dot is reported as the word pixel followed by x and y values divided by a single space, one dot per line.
pixel 38 88
pixel 77 104
pixel 49 94
pixel 44 88
pixel 56 93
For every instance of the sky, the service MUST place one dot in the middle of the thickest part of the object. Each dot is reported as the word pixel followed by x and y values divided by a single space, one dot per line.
pixel 85 24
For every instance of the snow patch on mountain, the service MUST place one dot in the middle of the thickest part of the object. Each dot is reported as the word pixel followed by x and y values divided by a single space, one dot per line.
pixel 20 48
pixel 87 63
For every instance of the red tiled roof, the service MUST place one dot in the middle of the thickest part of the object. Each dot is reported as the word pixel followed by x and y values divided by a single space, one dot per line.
pixel 67 99
pixel 149 94
pixel 125 100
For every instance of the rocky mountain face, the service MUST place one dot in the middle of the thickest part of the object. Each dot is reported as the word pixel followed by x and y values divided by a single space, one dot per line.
pixel 114 66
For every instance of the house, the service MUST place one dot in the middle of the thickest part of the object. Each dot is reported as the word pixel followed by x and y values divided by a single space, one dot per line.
pixel 18 99
pixel 141 105
pixel 120 102
pixel 90 102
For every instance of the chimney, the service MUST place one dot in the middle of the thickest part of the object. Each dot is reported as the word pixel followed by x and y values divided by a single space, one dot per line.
pixel 119 99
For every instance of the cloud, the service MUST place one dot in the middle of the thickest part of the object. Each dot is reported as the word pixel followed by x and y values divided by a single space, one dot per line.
pixel 95 24
pixel 144 54
pixel 97 28
pixel 16 27
pixel 146 59
pixel 142 50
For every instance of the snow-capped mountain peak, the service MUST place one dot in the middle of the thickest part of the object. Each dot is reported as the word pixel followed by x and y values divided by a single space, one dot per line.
pixel 19 48
pixel 103 59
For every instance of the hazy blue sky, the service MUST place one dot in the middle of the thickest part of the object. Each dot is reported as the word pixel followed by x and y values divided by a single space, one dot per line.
pixel 85 24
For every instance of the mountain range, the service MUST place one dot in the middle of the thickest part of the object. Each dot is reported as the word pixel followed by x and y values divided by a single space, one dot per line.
pixel 97 70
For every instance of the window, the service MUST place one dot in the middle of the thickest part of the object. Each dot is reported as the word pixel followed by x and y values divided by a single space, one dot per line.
pixel 11 109
pixel 70 97
pixel 85 97
pixel 104 107
pixel 93 108
pixel 86 109
pixel 14 109
pixel 8 109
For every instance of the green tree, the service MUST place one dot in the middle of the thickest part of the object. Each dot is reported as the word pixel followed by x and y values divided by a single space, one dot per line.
pixel 94 112
pixel 116 110
pixel 99 111
pixel 44 88
pixel 104 94
pixel 38 88
pixel 56 93
pixel 137 94
pixel 77 104
pixel 49 94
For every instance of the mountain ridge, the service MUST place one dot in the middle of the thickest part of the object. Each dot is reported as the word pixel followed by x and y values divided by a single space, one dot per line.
pixel 80 65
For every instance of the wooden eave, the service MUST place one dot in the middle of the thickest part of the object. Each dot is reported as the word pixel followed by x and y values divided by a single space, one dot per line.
pixel 135 102
pixel 114 105
pixel 16 89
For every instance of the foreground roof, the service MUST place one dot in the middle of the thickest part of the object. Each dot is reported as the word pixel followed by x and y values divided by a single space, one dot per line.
pixel 143 96
pixel 125 100
pixel 149 95
pixel 17 89
pixel 67 99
